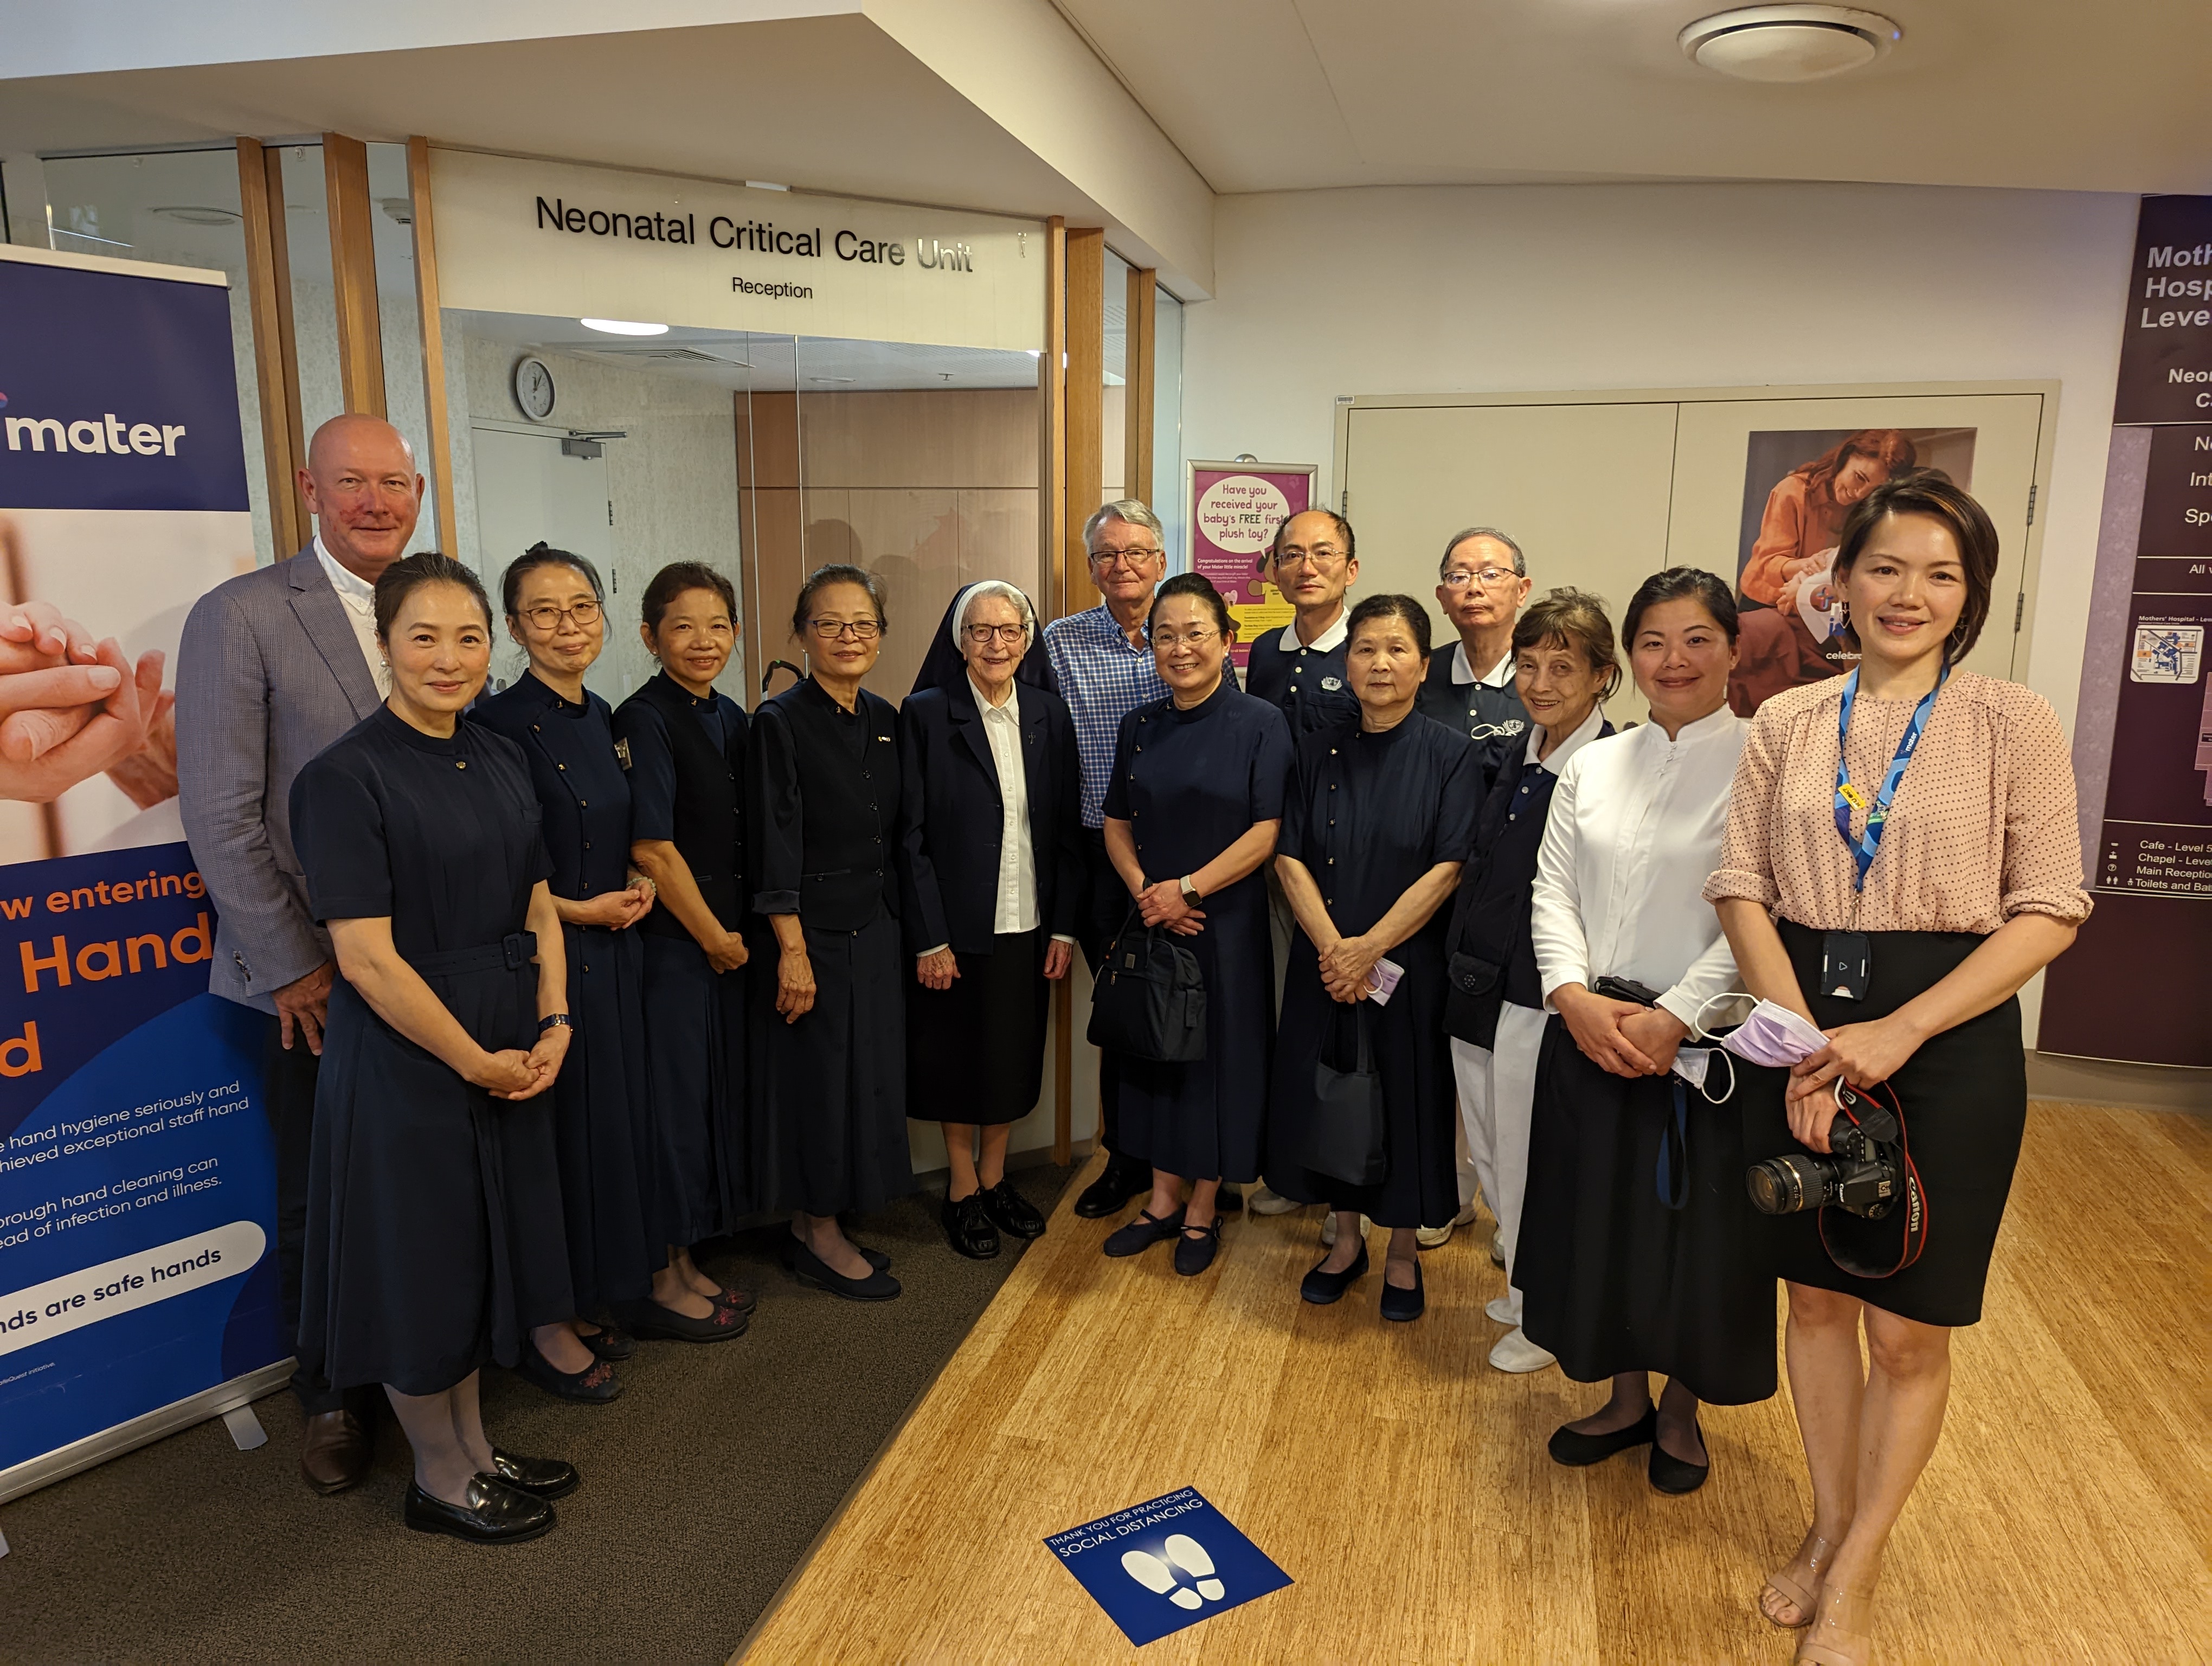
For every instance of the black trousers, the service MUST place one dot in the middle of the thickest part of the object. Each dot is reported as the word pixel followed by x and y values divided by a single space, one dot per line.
pixel 287 1096
pixel 1105 908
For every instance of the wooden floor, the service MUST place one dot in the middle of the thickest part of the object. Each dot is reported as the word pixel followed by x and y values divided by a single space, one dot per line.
pixel 1403 1484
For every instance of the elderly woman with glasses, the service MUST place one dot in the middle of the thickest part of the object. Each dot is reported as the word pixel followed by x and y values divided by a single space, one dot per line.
pixel 830 1023
pixel 991 876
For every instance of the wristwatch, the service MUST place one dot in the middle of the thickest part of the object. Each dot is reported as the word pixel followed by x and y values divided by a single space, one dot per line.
pixel 1190 893
pixel 552 1019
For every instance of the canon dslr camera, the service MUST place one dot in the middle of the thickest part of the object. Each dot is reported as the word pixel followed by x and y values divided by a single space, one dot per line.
pixel 1863 1172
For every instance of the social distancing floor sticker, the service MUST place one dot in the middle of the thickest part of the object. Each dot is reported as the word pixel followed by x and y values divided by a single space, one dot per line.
pixel 1170 1562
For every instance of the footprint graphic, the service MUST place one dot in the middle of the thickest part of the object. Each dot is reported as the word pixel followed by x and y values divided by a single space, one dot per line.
pixel 1154 1574
pixel 1187 1553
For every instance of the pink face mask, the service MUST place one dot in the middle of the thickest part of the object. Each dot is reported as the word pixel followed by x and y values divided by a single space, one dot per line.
pixel 1773 1036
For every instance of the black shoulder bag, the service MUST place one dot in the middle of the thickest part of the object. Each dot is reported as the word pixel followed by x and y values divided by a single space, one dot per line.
pixel 1345 1140
pixel 1149 999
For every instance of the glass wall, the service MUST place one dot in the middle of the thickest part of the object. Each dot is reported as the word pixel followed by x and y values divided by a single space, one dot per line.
pixel 1168 498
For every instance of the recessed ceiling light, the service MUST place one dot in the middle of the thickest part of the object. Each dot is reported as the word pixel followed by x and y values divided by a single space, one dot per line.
pixel 614 327
pixel 1789 43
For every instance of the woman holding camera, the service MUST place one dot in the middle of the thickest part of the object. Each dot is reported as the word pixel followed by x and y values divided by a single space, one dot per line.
pixel 1905 840
pixel 1638 1250
pixel 1191 810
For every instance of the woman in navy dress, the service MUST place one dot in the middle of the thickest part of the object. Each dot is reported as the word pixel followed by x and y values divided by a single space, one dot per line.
pixel 602 1108
pixel 830 1027
pixel 683 745
pixel 1192 811
pixel 435 1240
pixel 1380 818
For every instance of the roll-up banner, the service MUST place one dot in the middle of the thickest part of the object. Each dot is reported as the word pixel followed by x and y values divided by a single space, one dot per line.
pixel 138 1289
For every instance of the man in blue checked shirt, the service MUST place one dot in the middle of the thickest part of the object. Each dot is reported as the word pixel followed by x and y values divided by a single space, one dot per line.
pixel 1103 658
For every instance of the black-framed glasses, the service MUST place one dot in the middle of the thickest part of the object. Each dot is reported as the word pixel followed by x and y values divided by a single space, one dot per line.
pixel 1011 635
pixel 1135 556
pixel 860 630
pixel 550 619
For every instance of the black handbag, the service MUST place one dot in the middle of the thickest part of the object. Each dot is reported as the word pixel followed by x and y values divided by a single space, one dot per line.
pixel 1343 1140
pixel 1149 999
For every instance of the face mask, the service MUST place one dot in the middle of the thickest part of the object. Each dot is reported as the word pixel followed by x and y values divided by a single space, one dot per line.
pixel 1773 1036
pixel 1694 1065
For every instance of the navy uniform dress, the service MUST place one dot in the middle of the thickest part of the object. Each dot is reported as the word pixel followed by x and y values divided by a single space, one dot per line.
pixel 602 1102
pixel 1306 680
pixel 825 788
pixel 686 758
pixel 435 1234
pixel 1190 784
pixel 1368 815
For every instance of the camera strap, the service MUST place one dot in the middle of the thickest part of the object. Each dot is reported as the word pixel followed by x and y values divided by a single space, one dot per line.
pixel 1674 1171
pixel 1915 1213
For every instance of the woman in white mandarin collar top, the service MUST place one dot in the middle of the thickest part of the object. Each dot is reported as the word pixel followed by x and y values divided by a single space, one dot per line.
pixel 1638 1248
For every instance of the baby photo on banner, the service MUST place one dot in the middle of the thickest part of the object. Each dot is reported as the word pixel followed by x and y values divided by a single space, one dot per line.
pixel 136 1198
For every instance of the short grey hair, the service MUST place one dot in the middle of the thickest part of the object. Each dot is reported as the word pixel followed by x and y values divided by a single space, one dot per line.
pixel 1124 508
pixel 1004 591
pixel 1519 562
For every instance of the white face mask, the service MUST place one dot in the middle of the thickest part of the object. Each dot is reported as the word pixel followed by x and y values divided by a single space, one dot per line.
pixel 1694 1065
pixel 1773 1036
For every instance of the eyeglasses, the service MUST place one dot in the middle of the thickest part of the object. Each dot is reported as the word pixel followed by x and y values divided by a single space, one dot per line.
pixel 550 619
pixel 861 630
pixel 981 635
pixel 1321 559
pixel 1488 577
pixel 1135 555
pixel 1195 639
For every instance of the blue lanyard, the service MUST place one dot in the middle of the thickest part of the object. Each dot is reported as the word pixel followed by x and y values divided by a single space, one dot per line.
pixel 1848 798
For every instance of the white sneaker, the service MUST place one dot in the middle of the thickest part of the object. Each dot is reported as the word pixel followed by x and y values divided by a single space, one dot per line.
pixel 1261 1201
pixel 1497 1249
pixel 1428 1237
pixel 1515 1353
pixel 1505 1310
pixel 1329 1228
pixel 1465 1215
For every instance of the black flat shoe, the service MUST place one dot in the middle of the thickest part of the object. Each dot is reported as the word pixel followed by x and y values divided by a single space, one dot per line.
pixel 743 1300
pixel 650 1321
pixel 610 1341
pixel 542 1478
pixel 1678 1475
pixel 1577 1450
pixel 1400 1304
pixel 1142 1233
pixel 1321 1288
pixel 784 1256
pixel 968 1227
pixel 1196 1247
pixel 493 1513
pixel 810 1268
pixel 594 1385
pixel 1110 1193
pixel 1011 1213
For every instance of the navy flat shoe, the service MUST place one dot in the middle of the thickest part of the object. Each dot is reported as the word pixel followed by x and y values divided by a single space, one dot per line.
pixel 1142 1233
pixel 1399 1304
pixel 1576 1449
pixel 1321 1288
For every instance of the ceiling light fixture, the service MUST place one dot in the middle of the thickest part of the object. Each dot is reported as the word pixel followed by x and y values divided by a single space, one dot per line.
pixel 197 214
pixel 1789 43
pixel 614 327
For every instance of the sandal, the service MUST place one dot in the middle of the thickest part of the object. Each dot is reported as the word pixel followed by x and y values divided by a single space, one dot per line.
pixel 1842 1632
pixel 1800 1593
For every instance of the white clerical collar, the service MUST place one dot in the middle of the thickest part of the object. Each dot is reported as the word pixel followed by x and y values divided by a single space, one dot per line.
pixel 1586 731
pixel 347 584
pixel 1326 642
pixel 1499 677
pixel 1011 709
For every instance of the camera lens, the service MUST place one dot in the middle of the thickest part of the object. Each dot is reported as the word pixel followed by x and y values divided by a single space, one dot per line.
pixel 1778 1185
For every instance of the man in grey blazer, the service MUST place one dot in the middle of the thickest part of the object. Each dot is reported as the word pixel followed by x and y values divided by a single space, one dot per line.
pixel 274 666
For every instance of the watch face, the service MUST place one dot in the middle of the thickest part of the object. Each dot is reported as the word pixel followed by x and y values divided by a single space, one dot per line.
pixel 533 389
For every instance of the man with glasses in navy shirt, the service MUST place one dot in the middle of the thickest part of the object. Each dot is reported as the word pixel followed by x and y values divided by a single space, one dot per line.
pixel 1482 583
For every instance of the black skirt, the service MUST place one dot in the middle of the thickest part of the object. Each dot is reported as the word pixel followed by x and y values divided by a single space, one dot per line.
pixel 701 1180
pixel 975 1053
pixel 1612 1279
pixel 1964 1098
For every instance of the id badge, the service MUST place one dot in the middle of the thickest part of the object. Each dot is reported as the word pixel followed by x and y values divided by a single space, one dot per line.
pixel 1846 961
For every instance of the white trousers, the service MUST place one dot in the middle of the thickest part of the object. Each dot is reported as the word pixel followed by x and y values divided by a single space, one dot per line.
pixel 1497 1094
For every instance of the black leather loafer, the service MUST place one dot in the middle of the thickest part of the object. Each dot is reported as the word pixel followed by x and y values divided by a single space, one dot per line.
pixel 1142 1233
pixel 968 1227
pixel 650 1321
pixel 1321 1288
pixel 492 1513
pixel 1110 1193
pixel 810 1268
pixel 594 1385
pixel 1400 1304
pixel 1678 1475
pixel 1196 1247
pixel 1577 1450
pixel 1011 1213
pixel 542 1478
pixel 610 1341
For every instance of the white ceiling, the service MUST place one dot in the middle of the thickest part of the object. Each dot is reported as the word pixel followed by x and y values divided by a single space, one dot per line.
pixel 1293 95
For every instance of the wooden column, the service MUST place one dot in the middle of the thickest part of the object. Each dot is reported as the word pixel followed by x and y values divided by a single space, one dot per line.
pixel 438 439
pixel 275 355
pixel 1138 395
pixel 353 274
pixel 1086 396
pixel 771 522
pixel 1053 552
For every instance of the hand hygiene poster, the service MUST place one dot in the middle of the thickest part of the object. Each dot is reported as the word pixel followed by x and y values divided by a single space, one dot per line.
pixel 137 1187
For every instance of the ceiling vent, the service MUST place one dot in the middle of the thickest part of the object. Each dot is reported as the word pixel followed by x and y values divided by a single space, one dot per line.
pixel 1789 43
